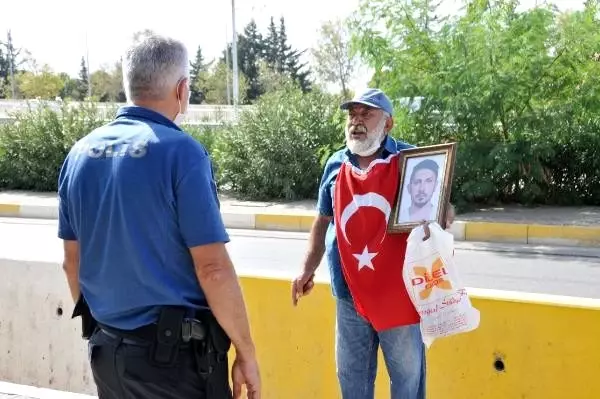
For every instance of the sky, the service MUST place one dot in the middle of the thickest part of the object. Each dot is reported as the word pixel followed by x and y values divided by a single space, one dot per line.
pixel 56 31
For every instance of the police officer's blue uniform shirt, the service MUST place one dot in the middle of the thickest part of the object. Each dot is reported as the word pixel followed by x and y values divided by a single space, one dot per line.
pixel 136 194
pixel 325 208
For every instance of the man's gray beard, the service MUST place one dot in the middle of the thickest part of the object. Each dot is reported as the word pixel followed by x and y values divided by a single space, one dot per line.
pixel 368 146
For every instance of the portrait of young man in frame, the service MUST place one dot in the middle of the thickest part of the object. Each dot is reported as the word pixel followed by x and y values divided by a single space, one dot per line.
pixel 424 187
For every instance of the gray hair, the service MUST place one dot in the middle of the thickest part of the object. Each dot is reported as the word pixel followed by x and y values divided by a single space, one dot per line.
pixel 152 66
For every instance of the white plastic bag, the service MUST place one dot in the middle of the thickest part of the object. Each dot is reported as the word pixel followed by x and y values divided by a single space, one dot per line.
pixel 434 286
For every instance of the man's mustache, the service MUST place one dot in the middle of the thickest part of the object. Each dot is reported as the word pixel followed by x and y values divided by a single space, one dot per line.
pixel 358 129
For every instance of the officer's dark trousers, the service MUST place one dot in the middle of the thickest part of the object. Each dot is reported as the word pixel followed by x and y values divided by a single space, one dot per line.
pixel 122 370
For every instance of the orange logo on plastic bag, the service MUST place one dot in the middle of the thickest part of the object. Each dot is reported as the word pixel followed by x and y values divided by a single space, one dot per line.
pixel 435 278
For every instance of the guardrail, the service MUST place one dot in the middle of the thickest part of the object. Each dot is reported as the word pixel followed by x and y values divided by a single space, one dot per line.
pixel 197 114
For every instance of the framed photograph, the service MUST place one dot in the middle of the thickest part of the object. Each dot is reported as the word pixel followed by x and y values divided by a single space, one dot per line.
pixel 424 187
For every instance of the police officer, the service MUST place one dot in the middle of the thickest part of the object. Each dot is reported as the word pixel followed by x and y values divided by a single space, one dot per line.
pixel 144 246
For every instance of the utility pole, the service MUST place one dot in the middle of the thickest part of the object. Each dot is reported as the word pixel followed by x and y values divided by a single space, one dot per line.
pixel 11 57
pixel 234 59
pixel 87 61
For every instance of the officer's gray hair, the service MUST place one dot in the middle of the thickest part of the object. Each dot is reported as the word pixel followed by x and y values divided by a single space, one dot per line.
pixel 152 66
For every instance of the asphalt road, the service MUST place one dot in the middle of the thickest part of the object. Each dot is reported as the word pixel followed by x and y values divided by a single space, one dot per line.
pixel 545 270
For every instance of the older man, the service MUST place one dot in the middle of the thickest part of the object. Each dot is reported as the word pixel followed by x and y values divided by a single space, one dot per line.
pixel 144 245
pixel 372 306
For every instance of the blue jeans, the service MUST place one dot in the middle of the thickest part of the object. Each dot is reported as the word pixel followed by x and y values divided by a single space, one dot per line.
pixel 356 346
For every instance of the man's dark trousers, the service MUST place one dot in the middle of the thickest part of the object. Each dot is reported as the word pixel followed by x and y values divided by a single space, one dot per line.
pixel 122 370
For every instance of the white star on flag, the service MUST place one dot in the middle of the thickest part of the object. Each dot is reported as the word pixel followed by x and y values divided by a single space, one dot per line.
pixel 364 259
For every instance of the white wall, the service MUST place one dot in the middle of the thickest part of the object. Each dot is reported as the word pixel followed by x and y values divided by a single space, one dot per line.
pixel 41 348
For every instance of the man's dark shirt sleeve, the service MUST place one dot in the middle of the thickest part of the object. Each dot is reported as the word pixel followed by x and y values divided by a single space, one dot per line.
pixel 197 203
pixel 65 229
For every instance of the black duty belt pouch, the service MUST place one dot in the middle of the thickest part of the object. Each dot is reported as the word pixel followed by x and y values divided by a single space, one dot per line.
pixel 211 357
pixel 88 323
pixel 168 336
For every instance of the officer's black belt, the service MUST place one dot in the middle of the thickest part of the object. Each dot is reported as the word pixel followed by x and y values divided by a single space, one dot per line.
pixel 191 329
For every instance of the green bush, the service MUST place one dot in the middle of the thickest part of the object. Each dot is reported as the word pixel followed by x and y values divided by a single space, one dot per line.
pixel 276 149
pixel 33 148
pixel 205 134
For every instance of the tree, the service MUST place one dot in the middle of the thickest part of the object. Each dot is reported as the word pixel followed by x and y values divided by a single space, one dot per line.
pixel 271 45
pixel 271 80
pixel 334 62
pixel 70 88
pixel 280 57
pixel 250 51
pixel 288 59
pixel 44 85
pixel 283 48
pixel 216 86
pixel 84 84
pixel 516 89
pixel 274 50
pixel 196 69
pixel 12 62
pixel 4 73
pixel 107 84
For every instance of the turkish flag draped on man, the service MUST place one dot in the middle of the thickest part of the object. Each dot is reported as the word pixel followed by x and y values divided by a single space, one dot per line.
pixel 371 259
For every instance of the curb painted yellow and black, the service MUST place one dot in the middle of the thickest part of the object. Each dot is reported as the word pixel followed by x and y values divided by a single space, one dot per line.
pixel 536 234
pixel 28 211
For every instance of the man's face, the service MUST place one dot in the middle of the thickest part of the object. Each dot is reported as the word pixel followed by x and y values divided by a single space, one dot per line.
pixel 422 186
pixel 365 127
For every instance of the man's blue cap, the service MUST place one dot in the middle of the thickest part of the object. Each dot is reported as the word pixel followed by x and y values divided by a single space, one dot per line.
pixel 373 98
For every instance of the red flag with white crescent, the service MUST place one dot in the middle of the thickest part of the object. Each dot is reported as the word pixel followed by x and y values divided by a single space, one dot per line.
pixel 371 259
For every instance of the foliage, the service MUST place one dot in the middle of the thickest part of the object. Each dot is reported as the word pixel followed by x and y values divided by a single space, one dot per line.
pixel 107 84
pixel 272 50
pixel 206 135
pixel 44 85
pixel 213 84
pixel 517 89
pixel 334 62
pixel 198 69
pixel 10 58
pixel 208 79
pixel 84 84
pixel 33 148
pixel 274 151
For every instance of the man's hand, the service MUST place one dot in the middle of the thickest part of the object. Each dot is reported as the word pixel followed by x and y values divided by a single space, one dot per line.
pixel 302 285
pixel 245 372
pixel 450 214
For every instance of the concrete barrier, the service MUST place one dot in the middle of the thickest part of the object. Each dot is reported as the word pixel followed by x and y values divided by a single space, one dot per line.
pixel 527 346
